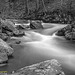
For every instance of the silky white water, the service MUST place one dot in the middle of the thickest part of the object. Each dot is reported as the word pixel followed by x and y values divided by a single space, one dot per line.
pixel 40 45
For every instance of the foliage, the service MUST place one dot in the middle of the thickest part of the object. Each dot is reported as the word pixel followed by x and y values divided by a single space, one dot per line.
pixel 36 9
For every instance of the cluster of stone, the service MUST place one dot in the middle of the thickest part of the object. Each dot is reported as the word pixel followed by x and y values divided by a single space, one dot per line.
pixel 7 30
pixel 32 24
pixel 21 24
pixel 68 32
pixel 49 67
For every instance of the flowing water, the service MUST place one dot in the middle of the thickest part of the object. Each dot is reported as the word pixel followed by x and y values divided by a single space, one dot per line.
pixel 41 45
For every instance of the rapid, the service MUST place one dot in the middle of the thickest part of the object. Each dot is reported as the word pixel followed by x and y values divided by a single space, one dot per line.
pixel 40 45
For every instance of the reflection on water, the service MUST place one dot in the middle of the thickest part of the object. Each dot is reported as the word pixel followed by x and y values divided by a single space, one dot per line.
pixel 37 47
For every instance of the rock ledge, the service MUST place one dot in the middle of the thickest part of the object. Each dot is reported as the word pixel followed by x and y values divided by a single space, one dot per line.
pixel 49 67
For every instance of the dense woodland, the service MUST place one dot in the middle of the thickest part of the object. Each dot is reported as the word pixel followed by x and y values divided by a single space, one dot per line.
pixel 58 11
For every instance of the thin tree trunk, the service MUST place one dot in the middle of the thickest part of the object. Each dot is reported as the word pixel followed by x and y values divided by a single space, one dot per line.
pixel 7 11
pixel 62 5
pixel 44 6
pixel 37 5
pixel 27 6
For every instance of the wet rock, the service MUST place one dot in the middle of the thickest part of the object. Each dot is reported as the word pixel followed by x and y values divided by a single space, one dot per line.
pixel 5 48
pixel 60 33
pixel 9 29
pixel 4 36
pixel 68 32
pixel 3 58
pixel 17 42
pixel 18 33
pixel 8 25
pixel 49 67
pixel 70 36
pixel 36 25
pixel 22 27
pixel 9 33
pixel 5 28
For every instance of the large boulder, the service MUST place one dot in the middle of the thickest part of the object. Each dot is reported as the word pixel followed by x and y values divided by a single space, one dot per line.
pixel 9 25
pixel 36 25
pixel 8 28
pixel 5 48
pixel 3 58
pixel 70 36
pixel 68 32
pixel 49 67
pixel 62 31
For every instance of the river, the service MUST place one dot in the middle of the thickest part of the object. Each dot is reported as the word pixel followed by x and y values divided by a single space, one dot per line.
pixel 41 45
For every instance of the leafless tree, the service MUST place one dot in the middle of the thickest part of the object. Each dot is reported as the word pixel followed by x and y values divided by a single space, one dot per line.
pixel 27 6
pixel 44 6
pixel 37 5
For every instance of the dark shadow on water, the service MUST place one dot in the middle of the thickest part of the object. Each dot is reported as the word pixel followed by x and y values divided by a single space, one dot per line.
pixel 10 57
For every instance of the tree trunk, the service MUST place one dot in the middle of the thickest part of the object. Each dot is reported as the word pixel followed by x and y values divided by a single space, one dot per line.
pixel 37 5
pixel 27 6
pixel 44 6
pixel 7 10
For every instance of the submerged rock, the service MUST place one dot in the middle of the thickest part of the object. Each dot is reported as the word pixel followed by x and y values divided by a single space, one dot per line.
pixel 49 67
pixel 5 48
